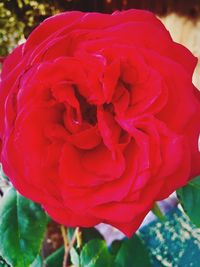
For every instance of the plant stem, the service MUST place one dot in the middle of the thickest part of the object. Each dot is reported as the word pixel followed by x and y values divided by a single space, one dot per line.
pixel 65 240
pixel 69 245
pixel 64 235
pixel 78 238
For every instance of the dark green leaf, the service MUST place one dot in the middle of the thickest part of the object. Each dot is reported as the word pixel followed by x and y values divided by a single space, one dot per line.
pixel 22 229
pixel 158 212
pixel 89 234
pixel 115 246
pixel 37 262
pixel 189 197
pixel 95 254
pixel 133 253
pixel 55 259
pixel 70 232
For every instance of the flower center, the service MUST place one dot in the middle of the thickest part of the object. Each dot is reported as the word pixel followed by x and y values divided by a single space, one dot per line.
pixel 109 107
pixel 88 111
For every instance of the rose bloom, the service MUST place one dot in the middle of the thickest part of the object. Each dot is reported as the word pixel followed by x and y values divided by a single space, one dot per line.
pixel 99 117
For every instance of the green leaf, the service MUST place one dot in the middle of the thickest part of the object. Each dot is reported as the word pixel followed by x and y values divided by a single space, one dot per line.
pixel 133 253
pixel 74 257
pixel 95 254
pixel 70 232
pixel 3 263
pixel 89 234
pixel 56 258
pixel 37 262
pixel 189 197
pixel 22 229
pixel 115 246
pixel 158 212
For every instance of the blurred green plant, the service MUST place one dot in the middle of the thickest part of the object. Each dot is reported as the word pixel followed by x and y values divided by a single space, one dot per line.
pixel 19 17
pixel 11 30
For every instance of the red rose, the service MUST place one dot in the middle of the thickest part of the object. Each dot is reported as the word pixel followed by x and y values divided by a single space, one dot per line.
pixel 99 118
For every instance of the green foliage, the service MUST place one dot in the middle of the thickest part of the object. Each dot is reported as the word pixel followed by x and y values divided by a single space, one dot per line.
pixel 55 259
pixel 133 253
pixel 115 246
pixel 95 254
pixel 158 212
pixel 3 263
pixel 189 197
pixel 18 18
pixel 11 30
pixel 37 262
pixel 89 234
pixel 22 229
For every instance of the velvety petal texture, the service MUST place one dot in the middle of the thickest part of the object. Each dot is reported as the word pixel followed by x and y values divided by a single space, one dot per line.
pixel 99 117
